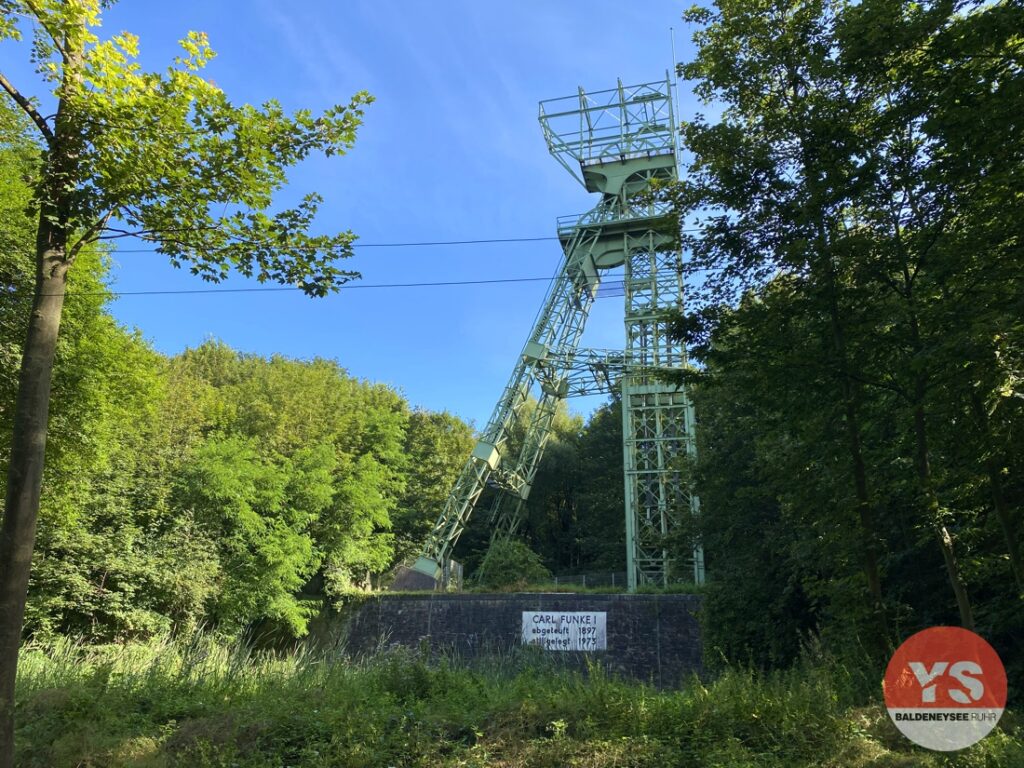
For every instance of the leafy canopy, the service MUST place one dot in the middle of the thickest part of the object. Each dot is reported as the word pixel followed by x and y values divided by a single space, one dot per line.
pixel 165 156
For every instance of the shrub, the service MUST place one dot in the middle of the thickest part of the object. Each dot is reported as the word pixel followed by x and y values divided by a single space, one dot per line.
pixel 510 563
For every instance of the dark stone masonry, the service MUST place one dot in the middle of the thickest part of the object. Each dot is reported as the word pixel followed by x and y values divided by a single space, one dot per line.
pixel 654 638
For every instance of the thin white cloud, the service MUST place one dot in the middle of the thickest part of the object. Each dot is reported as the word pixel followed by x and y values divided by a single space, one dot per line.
pixel 333 73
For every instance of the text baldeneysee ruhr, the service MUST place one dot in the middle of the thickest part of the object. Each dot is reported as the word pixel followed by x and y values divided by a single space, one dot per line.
pixel 946 716
pixel 566 631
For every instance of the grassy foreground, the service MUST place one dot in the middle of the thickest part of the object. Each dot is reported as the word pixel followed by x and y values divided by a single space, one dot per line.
pixel 168 704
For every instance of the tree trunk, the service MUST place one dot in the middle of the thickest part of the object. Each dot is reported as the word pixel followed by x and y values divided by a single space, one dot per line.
pixel 870 553
pixel 923 459
pixel 32 408
pixel 25 473
pixel 1002 508
pixel 865 512
pixel 934 509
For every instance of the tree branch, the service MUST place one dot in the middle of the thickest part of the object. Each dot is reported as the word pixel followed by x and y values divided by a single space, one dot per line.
pixel 38 14
pixel 26 105
pixel 90 235
pixel 152 235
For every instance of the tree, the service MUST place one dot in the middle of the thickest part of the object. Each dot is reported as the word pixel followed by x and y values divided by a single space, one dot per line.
pixel 862 301
pixel 161 156
pixel 775 176
pixel 436 448
pixel 512 564
pixel 547 519
pixel 599 500
pixel 18 167
pixel 111 559
pixel 259 513
pixel 550 515
pixel 950 82
pixel 744 526
pixel 310 464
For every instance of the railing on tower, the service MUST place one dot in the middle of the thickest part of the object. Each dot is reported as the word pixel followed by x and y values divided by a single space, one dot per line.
pixel 618 123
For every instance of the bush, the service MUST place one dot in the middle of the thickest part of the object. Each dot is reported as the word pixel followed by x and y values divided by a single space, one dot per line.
pixel 511 564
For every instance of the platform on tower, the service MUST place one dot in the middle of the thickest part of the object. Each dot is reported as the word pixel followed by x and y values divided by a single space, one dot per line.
pixel 602 137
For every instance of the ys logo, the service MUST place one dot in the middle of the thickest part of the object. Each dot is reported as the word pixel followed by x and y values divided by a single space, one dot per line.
pixel 945 688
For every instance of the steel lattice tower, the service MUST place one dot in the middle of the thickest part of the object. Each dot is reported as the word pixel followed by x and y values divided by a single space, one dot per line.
pixel 616 143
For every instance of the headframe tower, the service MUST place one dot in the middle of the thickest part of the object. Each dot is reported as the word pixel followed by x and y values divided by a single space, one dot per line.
pixel 616 143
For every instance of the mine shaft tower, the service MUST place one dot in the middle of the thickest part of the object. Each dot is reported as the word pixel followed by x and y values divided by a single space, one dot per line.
pixel 616 143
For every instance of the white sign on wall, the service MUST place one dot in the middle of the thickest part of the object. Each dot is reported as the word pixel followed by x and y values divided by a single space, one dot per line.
pixel 573 631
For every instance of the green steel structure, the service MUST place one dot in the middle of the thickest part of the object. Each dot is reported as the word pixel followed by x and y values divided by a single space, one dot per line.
pixel 616 143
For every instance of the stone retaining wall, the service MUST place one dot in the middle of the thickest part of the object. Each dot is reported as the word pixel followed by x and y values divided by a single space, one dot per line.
pixel 655 638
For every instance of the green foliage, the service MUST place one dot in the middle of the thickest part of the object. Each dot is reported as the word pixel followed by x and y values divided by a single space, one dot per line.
pixel 599 501
pixel 510 563
pixel 338 439
pixel 18 165
pixel 436 447
pixel 220 489
pixel 223 489
pixel 200 703
pixel 169 157
pixel 574 516
pixel 245 505
pixel 859 408
pixel 213 488
pixel 552 512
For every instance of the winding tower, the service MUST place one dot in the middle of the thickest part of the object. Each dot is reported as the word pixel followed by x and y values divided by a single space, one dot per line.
pixel 615 143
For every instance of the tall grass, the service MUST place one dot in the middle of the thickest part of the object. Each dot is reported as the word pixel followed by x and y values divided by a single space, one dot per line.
pixel 203 703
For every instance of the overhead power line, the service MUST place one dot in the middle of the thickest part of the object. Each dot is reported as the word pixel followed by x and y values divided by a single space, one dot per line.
pixel 358 245
pixel 292 288
pixel 607 289
pixel 419 244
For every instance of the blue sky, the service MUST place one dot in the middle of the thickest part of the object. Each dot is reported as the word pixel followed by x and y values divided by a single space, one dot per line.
pixel 450 150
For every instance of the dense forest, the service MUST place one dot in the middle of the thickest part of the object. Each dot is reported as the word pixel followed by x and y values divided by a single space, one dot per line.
pixel 855 321
pixel 230 491
pixel 859 322
pixel 851 218
pixel 211 487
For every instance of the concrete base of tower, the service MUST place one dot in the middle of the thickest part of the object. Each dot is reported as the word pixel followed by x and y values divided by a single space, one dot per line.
pixel 652 638
pixel 424 575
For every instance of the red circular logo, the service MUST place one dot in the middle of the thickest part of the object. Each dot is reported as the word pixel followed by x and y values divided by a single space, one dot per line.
pixel 945 688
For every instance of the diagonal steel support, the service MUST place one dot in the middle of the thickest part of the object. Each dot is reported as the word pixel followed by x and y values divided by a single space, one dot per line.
pixel 536 375
pixel 619 143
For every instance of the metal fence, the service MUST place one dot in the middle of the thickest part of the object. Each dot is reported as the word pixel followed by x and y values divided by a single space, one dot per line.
pixel 606 579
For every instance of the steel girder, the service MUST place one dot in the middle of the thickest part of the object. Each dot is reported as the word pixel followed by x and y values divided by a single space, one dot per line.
pixel 616 142
pixel 657 418
pixel 537 373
